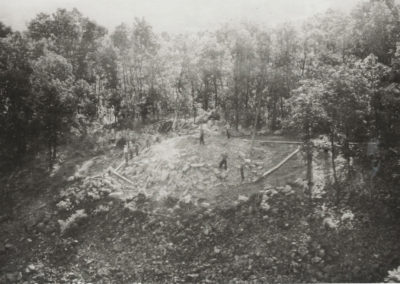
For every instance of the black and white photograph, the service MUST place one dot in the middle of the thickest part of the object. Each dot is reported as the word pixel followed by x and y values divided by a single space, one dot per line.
pixel 199 141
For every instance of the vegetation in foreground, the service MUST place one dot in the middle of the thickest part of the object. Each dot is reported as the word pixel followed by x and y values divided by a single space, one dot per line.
pixel 335 76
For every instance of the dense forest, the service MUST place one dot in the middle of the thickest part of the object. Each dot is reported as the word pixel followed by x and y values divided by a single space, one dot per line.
pixel 335 75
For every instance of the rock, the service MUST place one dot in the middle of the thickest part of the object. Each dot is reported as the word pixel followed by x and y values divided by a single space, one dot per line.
pixel 31 267
pixel 205 204
pixel 185 168
pixel 287 188
pixel 71 275
pixel 14 277
pixel 198 165
pixel 315 259
pixel 9 246
pixel 71 178
pixel 265 206
pixel 243 198
pixel 40 226
pixel 193 276
pixel 116 195
pixel 265 217
pixel 164 176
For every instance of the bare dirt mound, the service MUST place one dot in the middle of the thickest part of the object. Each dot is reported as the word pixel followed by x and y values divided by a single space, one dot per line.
pixel 181 168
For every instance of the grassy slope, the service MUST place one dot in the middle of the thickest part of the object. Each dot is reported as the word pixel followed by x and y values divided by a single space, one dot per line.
pixel 187 243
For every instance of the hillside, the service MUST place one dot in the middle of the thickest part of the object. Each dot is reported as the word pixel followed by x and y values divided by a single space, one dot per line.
pixel 185 220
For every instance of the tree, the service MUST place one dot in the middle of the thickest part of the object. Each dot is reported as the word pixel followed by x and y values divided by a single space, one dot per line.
pixel 17 120
pixel 4 30
pixel 52 81
pixel 375 29
pixel 308 118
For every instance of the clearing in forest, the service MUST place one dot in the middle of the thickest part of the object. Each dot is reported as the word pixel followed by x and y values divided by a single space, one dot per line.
pixel 181 168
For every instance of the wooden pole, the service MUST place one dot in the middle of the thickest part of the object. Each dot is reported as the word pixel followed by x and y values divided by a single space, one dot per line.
pixel 267 173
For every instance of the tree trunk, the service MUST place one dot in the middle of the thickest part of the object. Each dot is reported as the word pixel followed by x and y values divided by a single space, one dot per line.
pixel 255 124
pixel 274 116
pixel 335 179
pixel 333 150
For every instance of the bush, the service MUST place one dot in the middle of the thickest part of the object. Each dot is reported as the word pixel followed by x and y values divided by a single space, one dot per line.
pixel 73 221
pixel 393 276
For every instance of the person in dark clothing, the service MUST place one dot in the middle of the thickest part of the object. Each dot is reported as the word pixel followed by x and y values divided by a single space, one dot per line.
pixel 126 154
pixel 202 136
pixel 223 163
pixel 130 150
pixel 137 149
pixel 242 172
pixel 228 134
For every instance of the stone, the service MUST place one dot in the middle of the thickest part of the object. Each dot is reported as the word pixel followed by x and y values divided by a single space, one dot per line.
pixel 193 275
pixel 14 277
pixel 265 206
pixel 287 189
pixel 164 176
pixel 185 168
pixel 9 246
pixel 205 204
pixel 40 226
pixel 243 198
pixel 198 165
pixel 116 195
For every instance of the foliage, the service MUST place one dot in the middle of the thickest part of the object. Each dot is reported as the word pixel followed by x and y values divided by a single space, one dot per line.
pixel 72 221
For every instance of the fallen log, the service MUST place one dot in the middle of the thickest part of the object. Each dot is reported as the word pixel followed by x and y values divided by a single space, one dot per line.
pixel 267 173
pixel 120 165
pixel 111 170
pixel 276 142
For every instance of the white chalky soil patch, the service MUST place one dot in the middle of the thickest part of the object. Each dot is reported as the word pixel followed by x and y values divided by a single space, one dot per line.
pixel 182 168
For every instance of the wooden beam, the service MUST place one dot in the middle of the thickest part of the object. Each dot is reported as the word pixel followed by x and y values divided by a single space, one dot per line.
pixel 276 142
pixel 267 173
pixel 121 177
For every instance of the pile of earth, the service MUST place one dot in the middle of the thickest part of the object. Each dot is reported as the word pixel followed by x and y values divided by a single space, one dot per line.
pixel 266 237
pixel 182 168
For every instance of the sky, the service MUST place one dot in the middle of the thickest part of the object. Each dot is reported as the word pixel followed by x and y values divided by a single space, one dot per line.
pixel 173 16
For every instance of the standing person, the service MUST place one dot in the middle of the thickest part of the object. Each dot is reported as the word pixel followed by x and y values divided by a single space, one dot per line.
pixel 242 172
pixel 202 136
pixel 223 163
pixel 130 150
pixel 137 149
pixel 228 134
pixel 126 153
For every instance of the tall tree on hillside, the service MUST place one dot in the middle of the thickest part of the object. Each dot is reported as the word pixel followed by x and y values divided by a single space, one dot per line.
pixel 375 29
pixel 71 35
pixel 16 98
pixel 4 30
pixel 308 118
pixel 52 81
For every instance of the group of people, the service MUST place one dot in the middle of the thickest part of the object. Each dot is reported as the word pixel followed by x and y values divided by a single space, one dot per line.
pixel 129 149
pixel 223 164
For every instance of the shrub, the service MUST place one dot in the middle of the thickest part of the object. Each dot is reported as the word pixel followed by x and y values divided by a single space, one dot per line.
pixel 72 221
pixel 393 276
